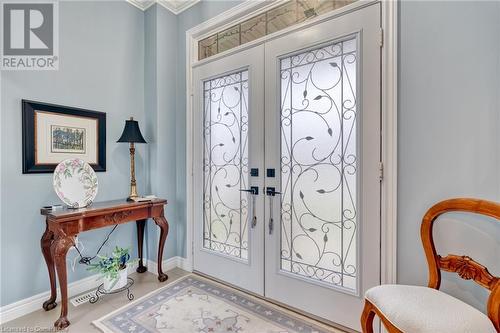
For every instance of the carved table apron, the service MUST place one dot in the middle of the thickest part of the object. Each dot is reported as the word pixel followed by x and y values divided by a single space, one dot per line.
pixel 63 225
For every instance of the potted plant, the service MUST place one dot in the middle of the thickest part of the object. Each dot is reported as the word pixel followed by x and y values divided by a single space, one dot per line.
pixel 113 268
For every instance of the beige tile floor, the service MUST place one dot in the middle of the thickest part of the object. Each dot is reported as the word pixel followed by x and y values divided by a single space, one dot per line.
pixel 81 317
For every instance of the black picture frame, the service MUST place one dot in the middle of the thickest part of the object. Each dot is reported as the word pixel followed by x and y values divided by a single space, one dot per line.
pixel 29 134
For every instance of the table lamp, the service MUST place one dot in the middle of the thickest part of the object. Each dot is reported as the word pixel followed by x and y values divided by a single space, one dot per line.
pixel 132 134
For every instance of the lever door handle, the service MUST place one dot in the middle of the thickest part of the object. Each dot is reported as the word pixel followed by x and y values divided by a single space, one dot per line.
pixel 253 190
pixel 271 191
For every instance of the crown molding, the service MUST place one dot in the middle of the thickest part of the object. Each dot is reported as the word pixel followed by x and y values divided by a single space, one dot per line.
pixel 175 6
pixel 141 4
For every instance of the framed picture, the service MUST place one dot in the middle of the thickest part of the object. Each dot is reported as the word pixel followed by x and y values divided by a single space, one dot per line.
pixel 53 133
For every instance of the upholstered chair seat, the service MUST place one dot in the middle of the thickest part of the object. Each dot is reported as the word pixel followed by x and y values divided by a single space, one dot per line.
pixel 426 310
pixel 414 309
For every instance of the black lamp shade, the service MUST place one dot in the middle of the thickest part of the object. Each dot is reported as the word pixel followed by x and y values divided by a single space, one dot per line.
pixel 131 133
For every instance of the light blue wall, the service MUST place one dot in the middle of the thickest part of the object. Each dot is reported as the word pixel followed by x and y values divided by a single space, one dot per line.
pixel 160 104
pixel 449 125
pixel 101 68
pixel 151 108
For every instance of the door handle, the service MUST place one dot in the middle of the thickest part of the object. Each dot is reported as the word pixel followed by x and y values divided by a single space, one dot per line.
pixel 254 221
pixel 271 192
pixel 254 190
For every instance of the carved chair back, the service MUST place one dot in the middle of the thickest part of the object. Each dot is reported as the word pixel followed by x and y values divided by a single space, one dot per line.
pixel 464 266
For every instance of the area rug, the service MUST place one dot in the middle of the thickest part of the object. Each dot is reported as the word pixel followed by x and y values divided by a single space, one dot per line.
pixel 198 305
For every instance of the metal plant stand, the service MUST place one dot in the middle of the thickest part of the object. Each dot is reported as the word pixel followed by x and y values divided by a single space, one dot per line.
pixel 101 291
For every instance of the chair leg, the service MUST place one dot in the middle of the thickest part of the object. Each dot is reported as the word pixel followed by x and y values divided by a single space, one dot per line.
pixel 367 317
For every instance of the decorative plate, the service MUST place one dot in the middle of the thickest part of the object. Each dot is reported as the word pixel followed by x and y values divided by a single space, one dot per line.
pixel 75 183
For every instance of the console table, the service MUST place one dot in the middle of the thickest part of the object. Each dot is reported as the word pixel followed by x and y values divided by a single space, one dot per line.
pixel 62 225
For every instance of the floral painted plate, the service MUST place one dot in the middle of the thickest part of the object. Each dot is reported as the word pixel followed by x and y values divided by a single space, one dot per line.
pixel 75 183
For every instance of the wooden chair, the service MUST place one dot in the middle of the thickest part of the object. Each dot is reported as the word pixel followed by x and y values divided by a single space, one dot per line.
pixel 414 309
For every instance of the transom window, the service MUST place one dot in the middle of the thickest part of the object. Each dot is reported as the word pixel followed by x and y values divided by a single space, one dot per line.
pixel 290 13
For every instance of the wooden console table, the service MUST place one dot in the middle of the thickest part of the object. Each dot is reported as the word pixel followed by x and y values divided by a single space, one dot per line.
pixel 63 225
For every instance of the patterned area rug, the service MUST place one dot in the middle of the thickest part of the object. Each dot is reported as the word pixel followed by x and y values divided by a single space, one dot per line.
pixel 194 304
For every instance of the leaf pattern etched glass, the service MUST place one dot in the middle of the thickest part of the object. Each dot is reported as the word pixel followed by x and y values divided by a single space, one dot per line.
pixel 225 165
pixel 207 47
pixel 275 19
pixel 319 164
pixel 311 8
pixel 228 38
pixel 253 28
pixel 281 17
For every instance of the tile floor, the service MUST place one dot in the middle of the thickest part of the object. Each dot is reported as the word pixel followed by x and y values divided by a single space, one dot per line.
pixel 81 317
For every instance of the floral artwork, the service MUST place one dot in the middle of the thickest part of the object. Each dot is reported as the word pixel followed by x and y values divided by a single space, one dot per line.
pixel 75 183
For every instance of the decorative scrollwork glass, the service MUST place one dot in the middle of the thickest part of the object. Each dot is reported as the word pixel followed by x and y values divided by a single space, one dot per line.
pixel 286 14
pixel 319 164
pixel 225 165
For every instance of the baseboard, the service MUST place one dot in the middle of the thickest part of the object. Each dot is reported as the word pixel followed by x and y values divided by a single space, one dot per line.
pixel 23 307
pixel 20 308
pixel 169 264
pixel 185 264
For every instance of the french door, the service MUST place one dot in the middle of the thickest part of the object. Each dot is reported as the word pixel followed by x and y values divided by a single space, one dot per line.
pixel 288 152
pixel 229 230
pixel 323 140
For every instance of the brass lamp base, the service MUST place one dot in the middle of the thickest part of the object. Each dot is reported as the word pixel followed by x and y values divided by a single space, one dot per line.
pixel 133 186
pixel 132 198
pixel 131 134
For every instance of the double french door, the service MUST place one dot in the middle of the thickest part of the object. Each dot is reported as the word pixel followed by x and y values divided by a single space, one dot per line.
pixel 287 152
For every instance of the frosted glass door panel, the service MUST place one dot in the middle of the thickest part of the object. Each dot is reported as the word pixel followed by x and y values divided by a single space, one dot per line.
pixel 226 165
pixel 319 164
pixel 228 142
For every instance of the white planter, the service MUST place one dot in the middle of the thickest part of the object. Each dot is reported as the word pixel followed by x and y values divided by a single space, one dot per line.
pixel 119 282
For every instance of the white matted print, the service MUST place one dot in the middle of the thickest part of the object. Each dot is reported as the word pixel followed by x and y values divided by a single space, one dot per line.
pixel 59 137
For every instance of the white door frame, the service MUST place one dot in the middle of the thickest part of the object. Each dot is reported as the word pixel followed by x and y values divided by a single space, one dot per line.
pixel 389 57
